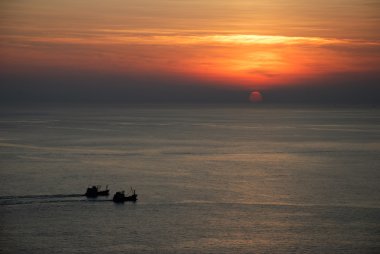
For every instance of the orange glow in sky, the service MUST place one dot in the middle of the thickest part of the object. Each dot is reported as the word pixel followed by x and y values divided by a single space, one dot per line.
pixel 247 43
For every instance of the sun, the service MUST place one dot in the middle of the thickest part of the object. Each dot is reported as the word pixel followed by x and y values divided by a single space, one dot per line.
pixel 256 97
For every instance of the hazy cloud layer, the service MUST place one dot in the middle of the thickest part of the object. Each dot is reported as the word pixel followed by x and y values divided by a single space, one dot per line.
pixel 189 51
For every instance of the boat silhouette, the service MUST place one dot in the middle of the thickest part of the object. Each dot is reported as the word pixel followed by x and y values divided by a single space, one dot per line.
pixel 120 197
pixel 95 191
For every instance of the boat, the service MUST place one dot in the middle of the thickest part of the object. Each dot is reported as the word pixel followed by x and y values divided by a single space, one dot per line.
pixel 95 191
pixel 120 197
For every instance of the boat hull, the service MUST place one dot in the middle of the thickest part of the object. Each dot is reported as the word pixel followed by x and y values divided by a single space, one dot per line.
pixel 104 193
pixel 93 192
pixel 121 198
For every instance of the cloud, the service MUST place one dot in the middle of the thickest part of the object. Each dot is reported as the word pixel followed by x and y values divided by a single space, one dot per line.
pixel 339 88
pixel 152 37
pixel 336 88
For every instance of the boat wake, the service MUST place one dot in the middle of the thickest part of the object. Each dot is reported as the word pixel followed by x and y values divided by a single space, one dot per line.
pixel 57 198
pixel 41 196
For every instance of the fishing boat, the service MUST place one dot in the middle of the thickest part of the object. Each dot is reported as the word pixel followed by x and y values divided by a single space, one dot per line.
pixel 95 191
pixel 120 197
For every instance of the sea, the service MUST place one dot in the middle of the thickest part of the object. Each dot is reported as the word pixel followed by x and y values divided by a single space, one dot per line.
pixel 209 178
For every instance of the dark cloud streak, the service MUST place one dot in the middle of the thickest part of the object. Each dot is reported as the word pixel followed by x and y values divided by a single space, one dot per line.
pixel 360 88
pixel 339 88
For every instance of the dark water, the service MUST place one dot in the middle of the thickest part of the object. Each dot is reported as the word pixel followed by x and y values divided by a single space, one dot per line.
pixel 210 179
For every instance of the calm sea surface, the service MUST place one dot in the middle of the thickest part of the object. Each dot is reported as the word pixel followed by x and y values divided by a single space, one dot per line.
pixel 210 179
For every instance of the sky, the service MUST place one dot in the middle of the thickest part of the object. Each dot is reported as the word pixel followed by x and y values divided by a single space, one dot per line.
pixel 325 51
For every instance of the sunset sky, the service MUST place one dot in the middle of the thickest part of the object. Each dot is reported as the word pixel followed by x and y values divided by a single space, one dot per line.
pixel 73 50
